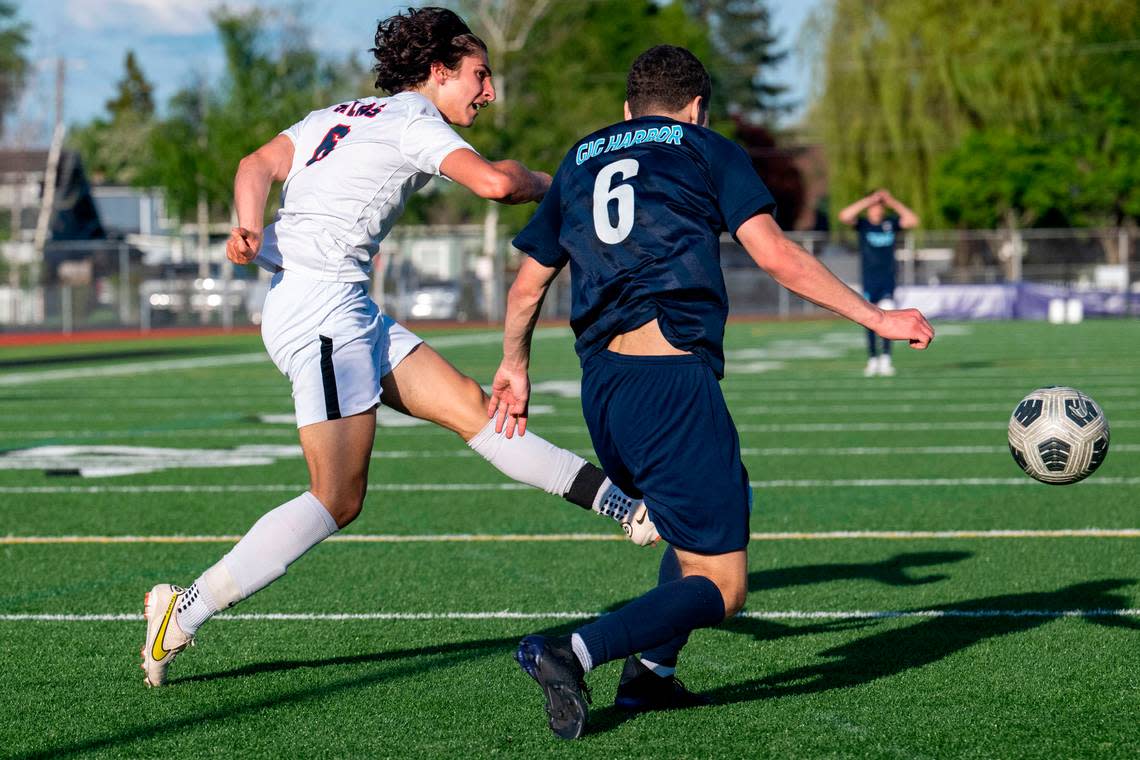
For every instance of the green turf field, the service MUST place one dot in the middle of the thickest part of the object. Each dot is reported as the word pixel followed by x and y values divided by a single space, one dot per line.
pixel 912 593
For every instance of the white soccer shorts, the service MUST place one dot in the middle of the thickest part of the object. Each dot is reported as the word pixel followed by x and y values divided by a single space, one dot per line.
pixel 333 343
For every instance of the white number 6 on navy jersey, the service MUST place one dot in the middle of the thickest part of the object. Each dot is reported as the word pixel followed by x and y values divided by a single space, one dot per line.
pixel 622 193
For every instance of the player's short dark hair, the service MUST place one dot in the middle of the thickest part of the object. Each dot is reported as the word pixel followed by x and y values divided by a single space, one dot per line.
pixel 408 43
pixel 666 78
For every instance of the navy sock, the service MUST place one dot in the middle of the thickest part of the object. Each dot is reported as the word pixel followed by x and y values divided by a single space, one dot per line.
pixel 872 348
pixel 666 654
pixel 886 347
pixel 663 614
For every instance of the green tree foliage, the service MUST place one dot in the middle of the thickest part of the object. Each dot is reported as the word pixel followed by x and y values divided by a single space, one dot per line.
pixel 273 77
pixel 1082 166
pixel 1082 170
pixel 743 49
pixel 114 148
pixel 135 95
pixel 567 81
pixel 13 61
pixel 907 84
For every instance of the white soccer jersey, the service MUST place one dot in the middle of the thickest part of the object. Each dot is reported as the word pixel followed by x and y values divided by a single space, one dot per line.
pixel 355 165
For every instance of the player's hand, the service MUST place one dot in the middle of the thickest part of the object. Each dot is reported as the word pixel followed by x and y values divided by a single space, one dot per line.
pixel 243 245
pixel 905 324
pixel 510 395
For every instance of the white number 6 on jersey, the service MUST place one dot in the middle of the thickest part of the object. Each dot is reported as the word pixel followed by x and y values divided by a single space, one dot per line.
pixel 622 193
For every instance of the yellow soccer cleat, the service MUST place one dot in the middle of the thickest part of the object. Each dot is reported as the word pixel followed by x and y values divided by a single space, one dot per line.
pixel 164 638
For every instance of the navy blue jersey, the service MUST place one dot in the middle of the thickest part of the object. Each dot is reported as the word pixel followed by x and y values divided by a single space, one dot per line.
pixel 877 252
pixel 637 209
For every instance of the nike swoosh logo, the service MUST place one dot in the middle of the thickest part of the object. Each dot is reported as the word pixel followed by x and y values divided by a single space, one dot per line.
pixel 641 520
pixel 156 651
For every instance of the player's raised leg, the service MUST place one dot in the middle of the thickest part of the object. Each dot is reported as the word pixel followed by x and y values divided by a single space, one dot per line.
pixel 337 453
pixel 425 385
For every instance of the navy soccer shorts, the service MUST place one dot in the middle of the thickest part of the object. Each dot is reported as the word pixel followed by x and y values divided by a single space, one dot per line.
pixel 661 430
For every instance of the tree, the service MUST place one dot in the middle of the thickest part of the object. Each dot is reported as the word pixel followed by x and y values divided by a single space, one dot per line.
pixel 115 148
pixel 1082 169
pixel 13 61
pixel 905 82
pixel 744 47
pixel 568 81
pixel 135 95
pixel 273 78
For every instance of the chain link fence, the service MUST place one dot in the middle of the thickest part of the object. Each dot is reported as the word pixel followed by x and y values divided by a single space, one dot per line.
pixel 457 273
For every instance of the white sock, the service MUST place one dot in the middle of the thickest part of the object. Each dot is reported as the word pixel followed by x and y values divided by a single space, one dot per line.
pixel 529 459
pixel 214 590
pixel 274 542
pixel 195 607
pixel 611 501
pixel 662 670
pixel 581 652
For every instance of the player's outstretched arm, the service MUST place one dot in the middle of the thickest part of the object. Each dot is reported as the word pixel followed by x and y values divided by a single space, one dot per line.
pixel 800 272
pixel 255 175
pixel 510 390
pixel 503 181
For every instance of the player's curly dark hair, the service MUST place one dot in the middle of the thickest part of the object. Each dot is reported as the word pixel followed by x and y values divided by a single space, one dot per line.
pixel 407 44
pixel 666 78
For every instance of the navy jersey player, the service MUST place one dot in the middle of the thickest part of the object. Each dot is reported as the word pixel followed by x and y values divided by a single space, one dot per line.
pixel 636 210
pixel 878 236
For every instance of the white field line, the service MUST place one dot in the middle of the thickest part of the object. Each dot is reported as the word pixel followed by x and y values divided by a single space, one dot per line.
pixel 294 452
pixel 854 382
pixel 835 535
pixel 130 368
pixel 872 427
pixel 547 430
pixel 890 395
pixel 468 487
pixel 581 615
pixel 856 451
pixel 138 368
pixel 887 407
pixel 238 401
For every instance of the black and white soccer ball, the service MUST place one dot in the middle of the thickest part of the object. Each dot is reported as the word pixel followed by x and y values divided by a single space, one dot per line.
pixel 1058 435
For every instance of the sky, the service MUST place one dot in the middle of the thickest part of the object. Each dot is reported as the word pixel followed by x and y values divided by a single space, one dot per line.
pixel 175 44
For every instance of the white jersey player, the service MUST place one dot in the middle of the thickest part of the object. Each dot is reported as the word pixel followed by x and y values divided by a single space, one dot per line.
pixel 348 172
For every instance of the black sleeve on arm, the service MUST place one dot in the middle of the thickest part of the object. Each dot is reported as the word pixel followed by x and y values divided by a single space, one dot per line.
pixel 740 192
pixel 539 239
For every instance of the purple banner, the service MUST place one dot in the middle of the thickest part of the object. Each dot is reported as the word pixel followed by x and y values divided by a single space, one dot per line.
pixel 1011 301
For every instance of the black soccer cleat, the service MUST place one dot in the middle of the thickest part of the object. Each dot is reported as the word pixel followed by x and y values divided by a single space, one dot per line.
pixel 641 690
pixel 552 663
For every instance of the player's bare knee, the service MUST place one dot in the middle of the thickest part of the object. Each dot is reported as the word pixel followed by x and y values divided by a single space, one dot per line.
pixel 471 416
pixel 733 591
pixel 343 502
pixel 734 596
pixel 345 511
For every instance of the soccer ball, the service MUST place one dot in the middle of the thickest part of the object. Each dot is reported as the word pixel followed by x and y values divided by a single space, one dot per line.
pixel 1058 435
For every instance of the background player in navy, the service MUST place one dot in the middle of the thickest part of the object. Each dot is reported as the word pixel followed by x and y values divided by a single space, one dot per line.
pixel 637 210
pixel 878 235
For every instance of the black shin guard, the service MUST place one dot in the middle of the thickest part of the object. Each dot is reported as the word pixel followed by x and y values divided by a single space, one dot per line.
pixel 585 487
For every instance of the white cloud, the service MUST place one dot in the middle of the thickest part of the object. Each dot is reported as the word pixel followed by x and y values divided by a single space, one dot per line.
pixel 176 17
